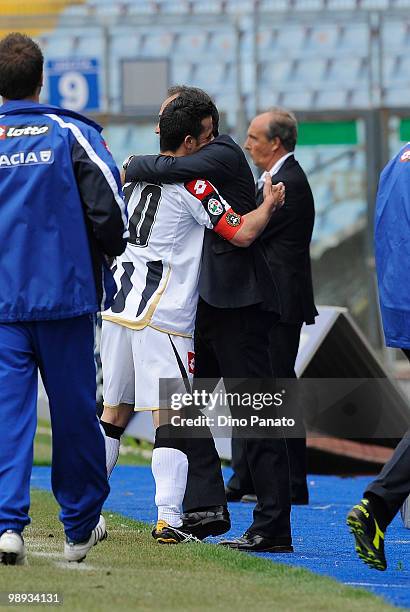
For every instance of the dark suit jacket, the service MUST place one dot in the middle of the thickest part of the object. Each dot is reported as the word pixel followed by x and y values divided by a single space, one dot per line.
pixel 287 239
pixel 231 277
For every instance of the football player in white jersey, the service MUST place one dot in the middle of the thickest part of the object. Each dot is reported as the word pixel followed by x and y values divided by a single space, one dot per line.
pixel 147 335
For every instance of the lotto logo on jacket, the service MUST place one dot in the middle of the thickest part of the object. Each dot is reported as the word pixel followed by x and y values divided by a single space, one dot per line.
pixel 7 131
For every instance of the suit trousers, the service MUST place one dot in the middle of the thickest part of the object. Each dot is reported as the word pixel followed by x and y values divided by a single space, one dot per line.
pixel 284 345
pixel 393 483
pixel 234 343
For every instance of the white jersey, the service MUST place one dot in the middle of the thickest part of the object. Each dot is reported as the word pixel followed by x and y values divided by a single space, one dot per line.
pixel 157 275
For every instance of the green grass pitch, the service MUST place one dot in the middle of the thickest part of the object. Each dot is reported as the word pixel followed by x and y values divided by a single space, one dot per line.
pixel 129 571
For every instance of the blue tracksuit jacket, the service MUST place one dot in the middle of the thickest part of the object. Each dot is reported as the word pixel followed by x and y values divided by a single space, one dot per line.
pixel 61 212
pixel 392 248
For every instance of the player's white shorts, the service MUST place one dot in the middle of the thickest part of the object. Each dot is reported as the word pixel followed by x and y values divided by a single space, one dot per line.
pixel 133 361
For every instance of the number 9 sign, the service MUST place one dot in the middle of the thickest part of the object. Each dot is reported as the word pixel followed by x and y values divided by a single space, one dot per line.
pixel 73 89
pixel 73 83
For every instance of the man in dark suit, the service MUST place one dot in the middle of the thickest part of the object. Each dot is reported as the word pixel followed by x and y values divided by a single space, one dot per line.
pixel 238 300
pixel 271 142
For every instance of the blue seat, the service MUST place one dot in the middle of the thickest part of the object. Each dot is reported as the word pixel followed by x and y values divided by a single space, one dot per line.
pixel 190 44
pixel 353 40
pixel 157 44
pixel 208 7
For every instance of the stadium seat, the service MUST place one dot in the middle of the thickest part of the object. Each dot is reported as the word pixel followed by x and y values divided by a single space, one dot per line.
pixel 181 72
pixel 395 35
pixel 298 99
pixel 273 5
pixel 342 5
pixel 125 43
pixel 173 6
pixel 276 74
pixel 208 7
pixel 353 40
pixel 308 5
pixel 239 7
pixel 291 40
pixel 146 7
pixel 59 45
pixel 322 40
pixel 192 44
pixel 379 5
pixel 157 44
pixel 221 76
pixel 222 44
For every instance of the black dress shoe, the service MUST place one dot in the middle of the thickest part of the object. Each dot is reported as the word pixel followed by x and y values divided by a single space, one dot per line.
pixel 206 522
pixel 249 498
pixel 300 501
pixel 256 543
pixel 233 495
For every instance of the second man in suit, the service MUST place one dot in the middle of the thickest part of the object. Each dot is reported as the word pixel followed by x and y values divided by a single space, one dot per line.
pixel 271 141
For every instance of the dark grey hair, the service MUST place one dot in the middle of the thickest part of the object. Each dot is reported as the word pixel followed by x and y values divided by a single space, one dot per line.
pixel 283 125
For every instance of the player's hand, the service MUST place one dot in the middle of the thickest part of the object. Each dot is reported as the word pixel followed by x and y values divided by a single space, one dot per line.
pixel 273 195
pixel 124 167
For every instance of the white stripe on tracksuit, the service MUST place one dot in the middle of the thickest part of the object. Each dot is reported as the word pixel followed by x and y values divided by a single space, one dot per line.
pixel 99 162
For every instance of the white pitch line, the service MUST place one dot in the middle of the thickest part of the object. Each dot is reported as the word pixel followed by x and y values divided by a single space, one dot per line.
pixel 74 566
pixel 378 584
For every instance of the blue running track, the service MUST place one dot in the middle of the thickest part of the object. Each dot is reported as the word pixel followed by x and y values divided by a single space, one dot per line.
pixel 322 542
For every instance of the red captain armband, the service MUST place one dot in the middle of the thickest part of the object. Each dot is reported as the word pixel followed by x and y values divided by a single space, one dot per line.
pixel 229 224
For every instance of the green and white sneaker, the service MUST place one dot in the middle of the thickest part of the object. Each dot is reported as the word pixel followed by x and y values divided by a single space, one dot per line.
pixel 77 551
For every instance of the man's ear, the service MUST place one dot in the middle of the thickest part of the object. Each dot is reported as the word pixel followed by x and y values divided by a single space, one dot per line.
pixel 189 142
pixel 276 143
pixel 41 83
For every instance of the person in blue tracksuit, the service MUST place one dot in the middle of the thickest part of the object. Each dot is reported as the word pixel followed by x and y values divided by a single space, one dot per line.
pixel 383 498
pixel 61 216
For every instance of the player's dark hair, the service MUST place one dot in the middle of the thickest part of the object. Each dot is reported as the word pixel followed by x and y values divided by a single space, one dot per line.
pixel 181 118
pixel 21 66
pixel 198 96
pixel 283 125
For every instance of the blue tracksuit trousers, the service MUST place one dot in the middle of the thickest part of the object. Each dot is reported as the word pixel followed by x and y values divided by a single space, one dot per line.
pixel 63 352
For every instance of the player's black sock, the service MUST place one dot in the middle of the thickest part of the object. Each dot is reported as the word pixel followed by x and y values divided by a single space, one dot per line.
pixel 112 435
pixel 112 431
